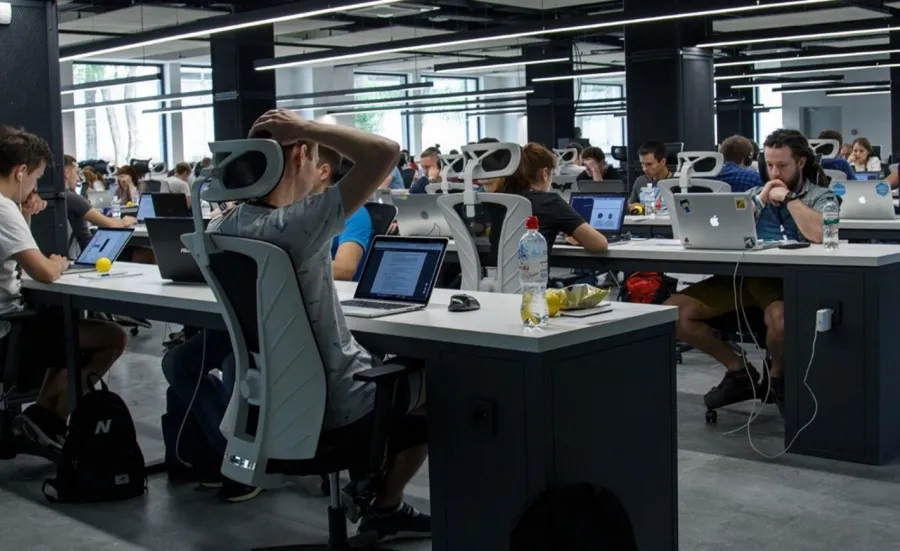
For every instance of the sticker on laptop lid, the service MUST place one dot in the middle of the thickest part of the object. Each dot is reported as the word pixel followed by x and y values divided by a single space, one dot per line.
pixel 749 242
pixel 685 206
pixel 882 189
pixel 687 241
pixel 839 189
pixel 740 204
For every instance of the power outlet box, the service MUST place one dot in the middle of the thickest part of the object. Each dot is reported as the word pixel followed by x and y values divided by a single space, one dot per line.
pixel 835 306
pixel 5 13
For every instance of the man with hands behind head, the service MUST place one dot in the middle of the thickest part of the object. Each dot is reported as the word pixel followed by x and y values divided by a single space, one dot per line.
pixel 789 206
pixel 23 159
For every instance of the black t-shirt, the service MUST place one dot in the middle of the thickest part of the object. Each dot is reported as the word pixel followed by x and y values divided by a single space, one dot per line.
pixel 554 216
pixel 611 173
pixel 76 207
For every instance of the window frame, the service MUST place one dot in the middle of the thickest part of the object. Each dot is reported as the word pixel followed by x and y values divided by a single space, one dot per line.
pixel 405 129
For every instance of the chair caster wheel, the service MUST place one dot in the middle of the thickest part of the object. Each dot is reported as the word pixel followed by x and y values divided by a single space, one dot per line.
pixel 134 331
pixel 711 417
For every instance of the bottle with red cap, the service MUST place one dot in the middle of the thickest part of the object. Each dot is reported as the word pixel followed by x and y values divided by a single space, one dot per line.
pixel 533 274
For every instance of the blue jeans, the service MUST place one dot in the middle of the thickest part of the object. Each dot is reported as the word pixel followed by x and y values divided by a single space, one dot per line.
pixel 184 365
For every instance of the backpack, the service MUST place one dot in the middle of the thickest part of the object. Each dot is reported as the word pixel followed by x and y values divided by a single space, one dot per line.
pixel 648 287
pixel 101 459
pixel 578 517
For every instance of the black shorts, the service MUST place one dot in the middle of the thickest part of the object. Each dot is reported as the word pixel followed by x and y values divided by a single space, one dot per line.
pixel 41 347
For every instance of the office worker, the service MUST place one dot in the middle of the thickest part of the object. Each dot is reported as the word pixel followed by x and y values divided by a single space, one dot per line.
pixel 23 159
pixel 429 170
pixel 791 202
pixel 595 167
pixel 738 154
pixel 305 225
pixel 861 158
pixel 92 181
pixel 79 212
pixel 653 155
pixel 179 182
pixel 126 186
pixel 839 162
pixel 846 151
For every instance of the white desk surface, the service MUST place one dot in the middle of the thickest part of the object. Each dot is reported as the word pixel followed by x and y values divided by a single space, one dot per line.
pixel 850 224
pixel 496 325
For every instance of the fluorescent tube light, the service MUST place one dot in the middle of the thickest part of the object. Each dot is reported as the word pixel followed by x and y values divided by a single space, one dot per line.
pixel 497 93
pixel 357 91
pixel 170 110
pixel 216 25
pixel 867 93
pixel 458 39
pixel 801 71
pixel 580 76
pixel 833 88
pixel 463 105
pixel 472 112
pixel 786 82
pixel 102 84
pixel 795 37
pixel 774 59
pixel 498 63
pixel 135 101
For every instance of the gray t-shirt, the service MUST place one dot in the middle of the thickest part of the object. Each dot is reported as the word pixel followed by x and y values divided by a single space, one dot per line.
pixel 175 184
pixel 305 230
pixel 15 237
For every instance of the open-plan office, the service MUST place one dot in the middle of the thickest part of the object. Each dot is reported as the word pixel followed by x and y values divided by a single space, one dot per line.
pixel 622 125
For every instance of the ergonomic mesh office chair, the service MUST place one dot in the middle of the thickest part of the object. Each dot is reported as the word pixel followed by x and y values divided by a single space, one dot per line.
pixel 829 149
pixel 505 279
pixel 273 423
pixel 382 216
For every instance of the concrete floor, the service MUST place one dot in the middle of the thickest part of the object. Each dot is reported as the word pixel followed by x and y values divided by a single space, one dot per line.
pixel 730 498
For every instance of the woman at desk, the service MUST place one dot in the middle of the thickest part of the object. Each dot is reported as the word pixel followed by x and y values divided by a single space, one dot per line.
pixel 861 158
pixel 126 190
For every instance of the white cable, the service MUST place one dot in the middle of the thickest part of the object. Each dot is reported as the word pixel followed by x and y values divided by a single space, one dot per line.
pixel 191 403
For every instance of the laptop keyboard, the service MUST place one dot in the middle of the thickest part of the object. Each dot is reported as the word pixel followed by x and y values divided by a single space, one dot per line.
pixel 372 304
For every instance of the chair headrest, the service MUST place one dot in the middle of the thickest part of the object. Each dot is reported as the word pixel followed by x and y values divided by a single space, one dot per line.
pixel 452 165
pixel 491 160
pixel 242 169
pixel 702 164
pixel 829 149
pixel 564 158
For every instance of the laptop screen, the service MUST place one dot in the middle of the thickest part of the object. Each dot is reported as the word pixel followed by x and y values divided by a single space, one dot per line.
pixel 605 213
pixel 105 243
pixel 868 175
pixel 402 269
pixel 145 208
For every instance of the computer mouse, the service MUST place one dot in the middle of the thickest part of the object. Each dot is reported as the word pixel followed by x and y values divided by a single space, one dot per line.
pixel 463 303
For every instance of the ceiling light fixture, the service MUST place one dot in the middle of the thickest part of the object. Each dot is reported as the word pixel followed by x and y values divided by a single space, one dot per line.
pixel 866 93
pixel 495 63
pixel 214 25
pixel 841 87
pixel 170 110
pixel 463 105
pixel 751 60
pixel 785 82
pixel 102 84
pixel 806 70
pixel 135 101
pixel 796 37
pixel 471 112
pixel 490 35
pixel 357 91
pixel 496 93
pixel 581 76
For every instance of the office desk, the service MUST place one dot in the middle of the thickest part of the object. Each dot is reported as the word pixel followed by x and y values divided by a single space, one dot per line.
pixel 512 411
pixel 856 230
pixel 855 377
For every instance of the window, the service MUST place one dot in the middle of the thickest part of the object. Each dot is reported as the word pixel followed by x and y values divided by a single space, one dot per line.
pixel 117 133
pixel 390 124
pixel 197 124
pixel 603 131
pixel 449 130
pixel 770 120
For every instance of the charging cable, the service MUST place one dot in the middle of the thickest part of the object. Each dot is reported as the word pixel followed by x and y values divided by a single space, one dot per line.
pixel 191 403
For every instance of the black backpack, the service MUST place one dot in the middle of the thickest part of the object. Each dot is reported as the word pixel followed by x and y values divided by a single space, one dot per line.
pixel 578 517
pixel 101 459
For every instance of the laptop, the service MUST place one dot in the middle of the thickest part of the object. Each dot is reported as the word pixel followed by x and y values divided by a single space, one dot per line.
pixel 868 175
pixel 145 208
pixel 399 276
pixel 865 200
pixel 605 186
pixel 605 212
pixel 170 205
pixel 172 257
pixel 100 199
pixel 722 221
pixel 419 214
pixel 106 242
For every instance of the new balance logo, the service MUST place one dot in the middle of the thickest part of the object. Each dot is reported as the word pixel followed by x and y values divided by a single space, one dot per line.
pixel 185 251
pixel 103 427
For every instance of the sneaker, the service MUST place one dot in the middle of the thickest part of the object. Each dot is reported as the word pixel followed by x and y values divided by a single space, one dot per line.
pixel 235 492
pixel 778 390
pixel 735 387
pixel 356 498
pixel 212 480
pixel 175 339
pixel 41 426
pixel 404 523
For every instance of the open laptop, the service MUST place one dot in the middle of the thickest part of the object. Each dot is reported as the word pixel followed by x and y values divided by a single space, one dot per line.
pixel 399 276
pixel 100 199
pixel 145 208
pixel 722 221
pixel 172 257
pixel 419 214
pixel 106 242
pixel 605 186
pixel 170 205
pixel 868 175
pixel 865 200
pixel 605 212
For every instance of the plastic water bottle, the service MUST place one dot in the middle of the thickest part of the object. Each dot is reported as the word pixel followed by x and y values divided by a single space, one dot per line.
pixel 831 217
pixel 647 199
pixel 205 208
pixel 116 208
pixel 533 274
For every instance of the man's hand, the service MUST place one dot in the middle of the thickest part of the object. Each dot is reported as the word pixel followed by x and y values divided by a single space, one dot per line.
pixel 767 189
pixel 778 193
pixel 286 127
pixel 434 174
pixel 571 240
pixel 33 204
pixel 128 221
pixel 63 262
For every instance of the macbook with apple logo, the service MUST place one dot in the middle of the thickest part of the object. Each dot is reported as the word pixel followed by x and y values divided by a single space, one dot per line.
pixel 864 200
pixel 722 221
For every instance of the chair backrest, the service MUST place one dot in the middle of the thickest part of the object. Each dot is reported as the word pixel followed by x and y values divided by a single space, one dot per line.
pixel 876 150
pixel 278 404
pixel 668 189
pixel 564 159
pixel 408 175
pixel 829 149
pixel 703 164
pixel 452 166
pixel 382 216
pixel 835 175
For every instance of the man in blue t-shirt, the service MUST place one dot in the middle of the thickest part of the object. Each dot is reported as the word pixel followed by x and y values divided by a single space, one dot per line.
pixel 738 154
pixel 348 248
pixel 837 163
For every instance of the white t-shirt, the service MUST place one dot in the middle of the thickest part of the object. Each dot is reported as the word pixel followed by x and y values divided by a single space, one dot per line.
pixel 15 237
pixel 305 230
pixel 175 184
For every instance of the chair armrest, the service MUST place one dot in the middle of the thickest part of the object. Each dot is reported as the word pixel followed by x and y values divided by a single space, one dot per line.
pixel 381 374
pixel 18 316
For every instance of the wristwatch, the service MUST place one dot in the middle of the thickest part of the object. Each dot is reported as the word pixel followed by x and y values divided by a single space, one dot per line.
pixel 790 197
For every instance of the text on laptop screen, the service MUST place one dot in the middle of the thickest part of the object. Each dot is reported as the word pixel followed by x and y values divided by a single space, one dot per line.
pixel 145 209
pixel 400 270
pixel 603 212
pixel 104 243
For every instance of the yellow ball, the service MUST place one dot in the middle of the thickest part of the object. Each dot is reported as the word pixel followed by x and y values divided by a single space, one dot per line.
pixel 553 303
pixel 129 204
pixel 103 265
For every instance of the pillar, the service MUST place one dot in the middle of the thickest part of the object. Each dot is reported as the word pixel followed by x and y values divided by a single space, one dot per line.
pixel 175 127
pixel 68 119
pixel 241 93
pixel 895 96
pixel 551 107
pixel 296 80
